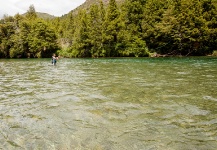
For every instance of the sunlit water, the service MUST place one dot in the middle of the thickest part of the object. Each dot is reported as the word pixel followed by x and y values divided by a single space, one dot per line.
pixel 109 104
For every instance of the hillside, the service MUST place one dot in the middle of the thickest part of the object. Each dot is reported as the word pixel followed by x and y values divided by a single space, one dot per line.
pixel 86 5
pixel 43 15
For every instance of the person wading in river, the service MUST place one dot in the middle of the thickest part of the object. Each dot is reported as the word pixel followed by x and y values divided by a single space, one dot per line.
pixel 54 59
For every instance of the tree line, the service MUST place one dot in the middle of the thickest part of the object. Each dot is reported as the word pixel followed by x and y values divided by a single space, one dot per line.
pixel 131 29
pixel 27 36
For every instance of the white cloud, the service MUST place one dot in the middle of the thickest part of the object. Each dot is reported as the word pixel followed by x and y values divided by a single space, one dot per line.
pixel 52 7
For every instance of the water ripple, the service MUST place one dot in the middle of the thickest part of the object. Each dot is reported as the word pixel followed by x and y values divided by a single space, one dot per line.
pixel 144 103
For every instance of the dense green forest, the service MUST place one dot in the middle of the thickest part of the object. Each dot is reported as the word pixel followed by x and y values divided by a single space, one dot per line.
pixel 128 29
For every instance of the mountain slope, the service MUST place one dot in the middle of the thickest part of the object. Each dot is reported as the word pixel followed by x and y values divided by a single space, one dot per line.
pixel 86 5
pixel 43 15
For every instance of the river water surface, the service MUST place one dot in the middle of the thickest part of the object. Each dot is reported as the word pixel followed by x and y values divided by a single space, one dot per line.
pixel 109 104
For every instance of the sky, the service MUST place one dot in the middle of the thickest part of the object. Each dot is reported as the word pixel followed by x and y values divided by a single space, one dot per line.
pixel 52 7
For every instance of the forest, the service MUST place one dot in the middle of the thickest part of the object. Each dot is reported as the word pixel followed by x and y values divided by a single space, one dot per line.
pixel 140 28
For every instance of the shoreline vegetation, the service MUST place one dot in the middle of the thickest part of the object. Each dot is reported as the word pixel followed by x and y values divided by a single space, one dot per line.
pixel 151 28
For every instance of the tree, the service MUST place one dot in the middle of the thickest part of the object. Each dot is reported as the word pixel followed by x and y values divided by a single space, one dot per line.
pixel 209 9
pixel 153 15
pixel 102 16
pixel 18 40
pixel 97 30
pixel 6 32
pixel 135 45
pixel 81 42
pixel 41 39
pixel 134 14
pixel 112 29
pixel 31 13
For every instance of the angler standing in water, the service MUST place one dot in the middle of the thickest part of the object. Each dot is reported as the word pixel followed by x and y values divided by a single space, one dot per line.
pixel 54 59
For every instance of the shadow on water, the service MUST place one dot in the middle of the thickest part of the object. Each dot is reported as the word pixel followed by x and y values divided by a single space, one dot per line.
pixel 107 104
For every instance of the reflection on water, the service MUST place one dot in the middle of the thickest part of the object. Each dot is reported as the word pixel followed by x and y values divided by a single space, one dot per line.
pixel 109 104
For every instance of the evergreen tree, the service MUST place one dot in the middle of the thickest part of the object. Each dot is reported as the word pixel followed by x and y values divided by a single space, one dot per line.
pixel 134 14
pixel 209 9
pixel 81 42
pixel 112 29
pixel 102 16
pixel 135 45
pixel 31 13
pixel 42 39
pixel 19 41
pixel 6 32
pixel 70 27
pixel 187 35
pixel 95 31
pixel 153 14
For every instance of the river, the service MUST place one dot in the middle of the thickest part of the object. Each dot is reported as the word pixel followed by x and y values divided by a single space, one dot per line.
pixel 109 104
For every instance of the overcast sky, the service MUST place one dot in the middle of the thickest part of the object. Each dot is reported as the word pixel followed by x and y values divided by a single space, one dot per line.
pixel 52 7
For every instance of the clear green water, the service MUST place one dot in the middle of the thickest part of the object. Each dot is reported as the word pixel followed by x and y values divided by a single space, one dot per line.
pixel 109 104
